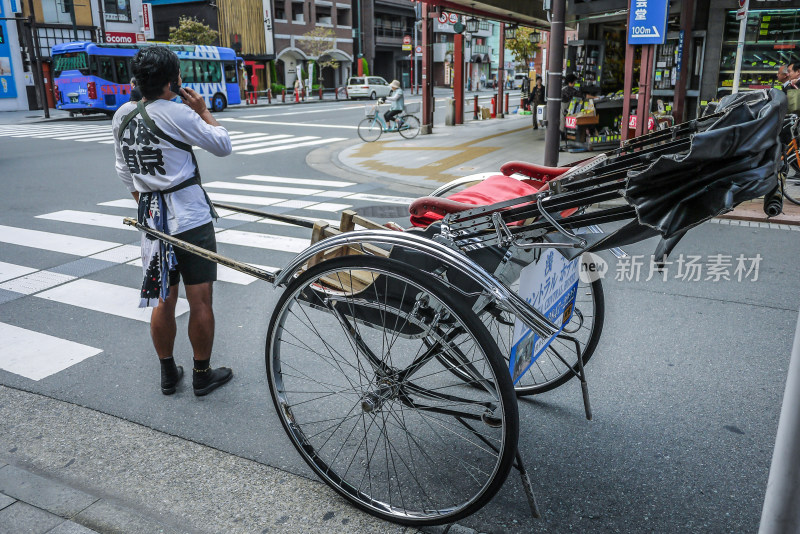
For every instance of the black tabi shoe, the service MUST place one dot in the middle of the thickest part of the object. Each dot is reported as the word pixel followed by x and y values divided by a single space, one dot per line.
pixel 170 377
pixel 207 380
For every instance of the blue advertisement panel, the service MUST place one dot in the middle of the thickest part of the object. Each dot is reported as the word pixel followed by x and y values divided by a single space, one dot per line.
pixel 8 89
pixel 648 22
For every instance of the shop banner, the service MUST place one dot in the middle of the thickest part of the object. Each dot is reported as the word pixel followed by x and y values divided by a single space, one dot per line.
pixel 147 21
pixel 268 34
pixel 8 89
pixel 648 22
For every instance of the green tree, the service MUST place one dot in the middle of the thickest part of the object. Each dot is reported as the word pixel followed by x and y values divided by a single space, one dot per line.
pixel 192 31
pixel 521 46
pixel 315 44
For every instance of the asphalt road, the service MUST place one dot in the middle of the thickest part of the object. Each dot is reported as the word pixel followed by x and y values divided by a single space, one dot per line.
pixel 685 385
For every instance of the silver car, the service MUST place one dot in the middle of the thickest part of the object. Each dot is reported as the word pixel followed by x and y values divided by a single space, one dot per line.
pixel 371 87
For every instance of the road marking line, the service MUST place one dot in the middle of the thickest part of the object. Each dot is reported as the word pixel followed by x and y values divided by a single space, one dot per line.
pixel 291 139
pixel 265 241
pixel 381 198
pixel 36 356
pixel 314 125
pixel 296 145
pixel 261 138
pixel 329 206
pixel 244 199
pixel 262 188
pixel 105 298
pixel 35 282
pixel 244 135
pixel 10 270
pixel 337 108
pixel 121 203
pixel 96 139
pixel 67 244
pixel 299 181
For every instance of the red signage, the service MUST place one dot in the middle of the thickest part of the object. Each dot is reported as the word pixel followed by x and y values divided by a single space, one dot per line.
pixel 571 122
pixel 407 39
pixel 651 124
pixel 121 37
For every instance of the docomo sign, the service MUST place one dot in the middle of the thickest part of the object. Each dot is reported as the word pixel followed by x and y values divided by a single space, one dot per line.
pixel 124 37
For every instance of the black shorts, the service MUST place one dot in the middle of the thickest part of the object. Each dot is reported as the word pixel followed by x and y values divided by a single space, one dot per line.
pixel 193 268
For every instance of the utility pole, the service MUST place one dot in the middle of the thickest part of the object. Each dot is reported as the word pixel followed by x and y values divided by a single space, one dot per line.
pixel 554 65
pixel 36 55
pixel 102 21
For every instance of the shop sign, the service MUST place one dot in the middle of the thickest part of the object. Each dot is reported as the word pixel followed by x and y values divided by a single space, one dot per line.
pixel 572 122
pixel 679 59
pixel 647 22
pixel 120 37
pixel 741 13
pixel 407 43
pixel 268 34
pixel 651 124
pixel 8 87
pixel 147 20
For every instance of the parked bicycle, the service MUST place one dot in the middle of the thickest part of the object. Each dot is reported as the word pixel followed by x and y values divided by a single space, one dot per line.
pixel 791 185
pixel 373 126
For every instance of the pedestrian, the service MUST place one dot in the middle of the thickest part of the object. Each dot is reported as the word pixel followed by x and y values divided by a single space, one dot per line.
pixel 537 98
pixel 298 89
pixel 154 160
pixel 398 103
pixel 136 94
pixel 792 87
pixel 483 80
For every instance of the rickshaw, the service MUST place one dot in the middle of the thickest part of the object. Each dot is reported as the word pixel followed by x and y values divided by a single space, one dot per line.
pixel 395 355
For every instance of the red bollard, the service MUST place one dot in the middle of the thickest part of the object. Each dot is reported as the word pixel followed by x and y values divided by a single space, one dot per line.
pixel 475 116
pixel 494 106
pixel 337 94
pixel 296 96
pixel 507 95
pixel 269 96
pixel 283 95
pixel 320 92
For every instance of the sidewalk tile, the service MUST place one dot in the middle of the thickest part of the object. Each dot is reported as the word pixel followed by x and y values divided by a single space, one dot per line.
pixel 21 517
pixel 5 501
pixel 106 517
pixel 43 493
pixel 69 527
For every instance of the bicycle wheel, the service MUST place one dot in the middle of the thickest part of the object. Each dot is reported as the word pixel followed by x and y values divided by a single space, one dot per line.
pixel 791 186
pixel 369 130
pixel 411 127
pixel 353 373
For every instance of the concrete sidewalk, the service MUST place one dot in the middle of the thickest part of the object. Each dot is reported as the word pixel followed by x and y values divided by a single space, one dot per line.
pixel 450 152
pixel 67 469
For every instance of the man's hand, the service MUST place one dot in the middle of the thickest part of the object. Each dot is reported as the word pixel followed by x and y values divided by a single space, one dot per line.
pixel 198 105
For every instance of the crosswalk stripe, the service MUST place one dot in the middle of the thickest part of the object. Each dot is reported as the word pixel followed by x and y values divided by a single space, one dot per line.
pixel 68 244
pixel 265 241
pixel 285 139
pixel 235 137
pixel 299 181
pixel 102 138
pixel 10 270
pixel 261 188
pixel 105 298
pixel 315 125
pixel 36 356
pixel 243 199
pixel 257 139
pixel 296 145
pixel 35 282
pixel 380 198
pixel 89 218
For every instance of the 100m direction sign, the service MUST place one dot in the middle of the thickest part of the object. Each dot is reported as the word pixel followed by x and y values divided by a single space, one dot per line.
pixel 648 22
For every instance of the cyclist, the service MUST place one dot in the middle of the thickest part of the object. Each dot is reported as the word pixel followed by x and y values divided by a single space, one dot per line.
pixel 398 104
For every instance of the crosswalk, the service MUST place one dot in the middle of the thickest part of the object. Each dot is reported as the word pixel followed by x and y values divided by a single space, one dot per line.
pixel 79 278
pixel 248 144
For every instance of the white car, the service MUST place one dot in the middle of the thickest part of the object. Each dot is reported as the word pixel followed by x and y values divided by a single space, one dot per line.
pixel 518 79
pixel 371 87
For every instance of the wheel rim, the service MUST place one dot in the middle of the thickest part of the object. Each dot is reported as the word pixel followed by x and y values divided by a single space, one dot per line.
pixel 355 423
pixel 369 130
pixel 413 127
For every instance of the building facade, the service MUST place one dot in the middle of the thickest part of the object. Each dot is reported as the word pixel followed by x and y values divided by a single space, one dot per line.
pixel 26 52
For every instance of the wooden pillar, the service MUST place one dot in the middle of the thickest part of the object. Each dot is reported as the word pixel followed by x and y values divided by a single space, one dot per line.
pixel 645 88
pixel 687 23
pixel 427 70
pixel 501 69
pixel 458 78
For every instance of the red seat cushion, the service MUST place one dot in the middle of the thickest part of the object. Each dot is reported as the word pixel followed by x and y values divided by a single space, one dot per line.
pixel 494 189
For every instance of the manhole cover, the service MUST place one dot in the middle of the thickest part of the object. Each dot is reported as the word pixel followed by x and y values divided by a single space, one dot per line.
pixel 383 211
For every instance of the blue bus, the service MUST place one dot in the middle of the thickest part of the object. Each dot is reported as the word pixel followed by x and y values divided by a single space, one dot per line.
pixel 95 77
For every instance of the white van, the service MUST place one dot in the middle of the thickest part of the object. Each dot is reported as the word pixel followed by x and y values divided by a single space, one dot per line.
pixel 518 78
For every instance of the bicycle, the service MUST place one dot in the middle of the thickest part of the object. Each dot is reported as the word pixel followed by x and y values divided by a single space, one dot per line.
pixel 792 179
pixel 373 126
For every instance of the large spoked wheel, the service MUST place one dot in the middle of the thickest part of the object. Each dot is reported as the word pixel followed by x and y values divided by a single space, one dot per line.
pixel 410 128
pixel 353 368
pixel 559 362
pixel 369 130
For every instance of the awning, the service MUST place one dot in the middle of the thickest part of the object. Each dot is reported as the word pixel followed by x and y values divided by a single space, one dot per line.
pixel 480 58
